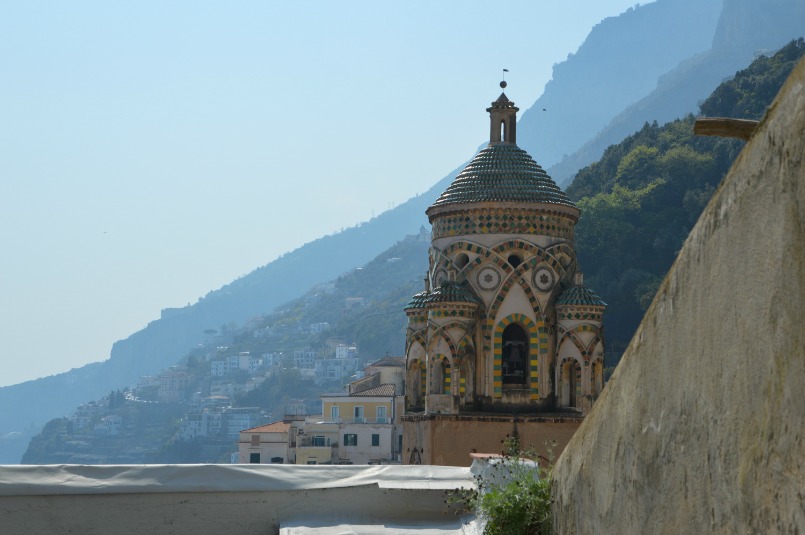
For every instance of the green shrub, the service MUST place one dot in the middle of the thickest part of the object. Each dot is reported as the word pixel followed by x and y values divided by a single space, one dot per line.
pixel 513 496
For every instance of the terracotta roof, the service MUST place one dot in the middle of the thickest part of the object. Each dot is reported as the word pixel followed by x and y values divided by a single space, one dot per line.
pixel 394 362
pixel 382 390
pixel 503 172
pixel 580 295
pixel 275 427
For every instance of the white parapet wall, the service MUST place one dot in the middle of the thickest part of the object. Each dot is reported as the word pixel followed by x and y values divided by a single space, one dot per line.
pixel 242 499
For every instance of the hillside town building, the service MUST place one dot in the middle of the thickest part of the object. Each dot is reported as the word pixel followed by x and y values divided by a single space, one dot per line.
pixel 358 426
pixel 505 332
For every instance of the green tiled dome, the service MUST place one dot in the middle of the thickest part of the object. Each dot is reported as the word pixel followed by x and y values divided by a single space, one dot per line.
pixel 452 292
pixel 419 300
pixel 580 295
pixel 503 172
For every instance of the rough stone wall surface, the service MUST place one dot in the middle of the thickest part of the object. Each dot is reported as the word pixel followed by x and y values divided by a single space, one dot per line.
pixel 700 429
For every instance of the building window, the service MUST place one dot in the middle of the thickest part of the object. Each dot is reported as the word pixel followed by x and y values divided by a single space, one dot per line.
pixel 255 440
pixel 350 439
pixel 312 461
pixel 277 460
pixel 375 439
pixel 254 458
pixel 318 440
pixel 381 414
pixel 335 413
pixel 515 355
pixel 359 414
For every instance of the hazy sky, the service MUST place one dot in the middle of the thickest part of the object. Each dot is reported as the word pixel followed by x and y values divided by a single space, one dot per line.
pixel 153 151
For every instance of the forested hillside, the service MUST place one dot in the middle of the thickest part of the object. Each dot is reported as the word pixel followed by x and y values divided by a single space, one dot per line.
pixel 639 202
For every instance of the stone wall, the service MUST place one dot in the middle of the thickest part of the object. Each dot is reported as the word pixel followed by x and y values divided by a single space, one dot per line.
pixel 448 439
pixel 700 429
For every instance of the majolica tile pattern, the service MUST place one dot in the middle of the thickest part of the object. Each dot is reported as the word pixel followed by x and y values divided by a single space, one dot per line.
pixel 498 221
pixel 580 295
pixel 523 274
pixel 503 173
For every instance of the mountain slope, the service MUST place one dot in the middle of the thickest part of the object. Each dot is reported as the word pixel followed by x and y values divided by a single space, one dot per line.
pixel 639 202
pixel 26 406
pixel 618 63
pixel 744 29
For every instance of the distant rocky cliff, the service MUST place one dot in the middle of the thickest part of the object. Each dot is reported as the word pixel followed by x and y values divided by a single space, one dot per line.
pixel 617 65
pixel 702 427
pixel 745 28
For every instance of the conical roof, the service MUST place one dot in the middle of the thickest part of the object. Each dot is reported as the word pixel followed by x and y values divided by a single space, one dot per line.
pixel 452 292
pixel 580 295
pixel 419 300
pixel 503 172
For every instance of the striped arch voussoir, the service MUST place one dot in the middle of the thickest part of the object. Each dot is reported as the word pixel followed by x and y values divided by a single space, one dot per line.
pixel 441 334
pixel 585 351
pixel 417 337
pixel 516 277
pixel 464 246
pixel 538 349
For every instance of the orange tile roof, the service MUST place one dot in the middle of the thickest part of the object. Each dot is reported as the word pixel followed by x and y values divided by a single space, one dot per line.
pixel 274 427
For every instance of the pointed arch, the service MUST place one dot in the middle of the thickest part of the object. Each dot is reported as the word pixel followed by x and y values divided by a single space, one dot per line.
pixel 597 376
pixel 586 350
pixel 536 254
pixel 416 337
pixel 537 350
pixel 466 366
pixel 441 369
pixel 569 382
pixel 440 333
pixel 416 383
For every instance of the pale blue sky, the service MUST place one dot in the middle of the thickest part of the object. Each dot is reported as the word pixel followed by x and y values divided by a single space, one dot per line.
pixel 153 151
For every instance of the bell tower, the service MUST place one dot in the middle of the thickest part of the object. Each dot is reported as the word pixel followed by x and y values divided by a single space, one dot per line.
pixel 503 120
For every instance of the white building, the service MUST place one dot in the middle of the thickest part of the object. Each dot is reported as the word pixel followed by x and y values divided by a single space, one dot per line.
pixel 337 369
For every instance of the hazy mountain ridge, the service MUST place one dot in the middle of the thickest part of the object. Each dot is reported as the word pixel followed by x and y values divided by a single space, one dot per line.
pixel 27 406
pixel 745 28
pixel 617 65
pixel 149 430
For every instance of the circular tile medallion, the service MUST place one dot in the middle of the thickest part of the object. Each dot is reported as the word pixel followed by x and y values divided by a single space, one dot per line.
pixel 544 279
pixel 488 278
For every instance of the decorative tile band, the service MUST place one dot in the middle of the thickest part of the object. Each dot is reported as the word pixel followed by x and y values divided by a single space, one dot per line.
pixel 503 221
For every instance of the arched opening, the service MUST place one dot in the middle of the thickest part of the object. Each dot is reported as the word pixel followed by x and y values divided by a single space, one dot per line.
pixel 503 130
pixel 570 384
pixel 437 377
pixel 466 379
pixel 446 377
pixel 461 260
pixel 415 384
pixel 515 355
pixel 514 260
pixel 598 377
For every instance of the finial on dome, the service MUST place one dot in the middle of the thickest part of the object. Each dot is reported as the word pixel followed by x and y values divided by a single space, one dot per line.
pixel 503 116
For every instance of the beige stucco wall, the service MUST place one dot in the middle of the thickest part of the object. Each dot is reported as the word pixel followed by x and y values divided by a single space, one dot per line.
pixel 701 428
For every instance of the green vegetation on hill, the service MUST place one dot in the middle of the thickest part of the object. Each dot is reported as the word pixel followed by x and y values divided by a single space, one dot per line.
pixel 640 201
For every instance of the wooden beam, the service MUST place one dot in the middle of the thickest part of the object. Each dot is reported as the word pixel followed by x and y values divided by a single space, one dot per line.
pixel 724 127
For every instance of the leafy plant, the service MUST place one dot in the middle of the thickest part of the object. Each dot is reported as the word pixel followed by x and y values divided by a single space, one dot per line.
pixel 513 495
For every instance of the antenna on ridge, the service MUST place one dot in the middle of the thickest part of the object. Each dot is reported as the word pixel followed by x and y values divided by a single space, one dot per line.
pixel 503 82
